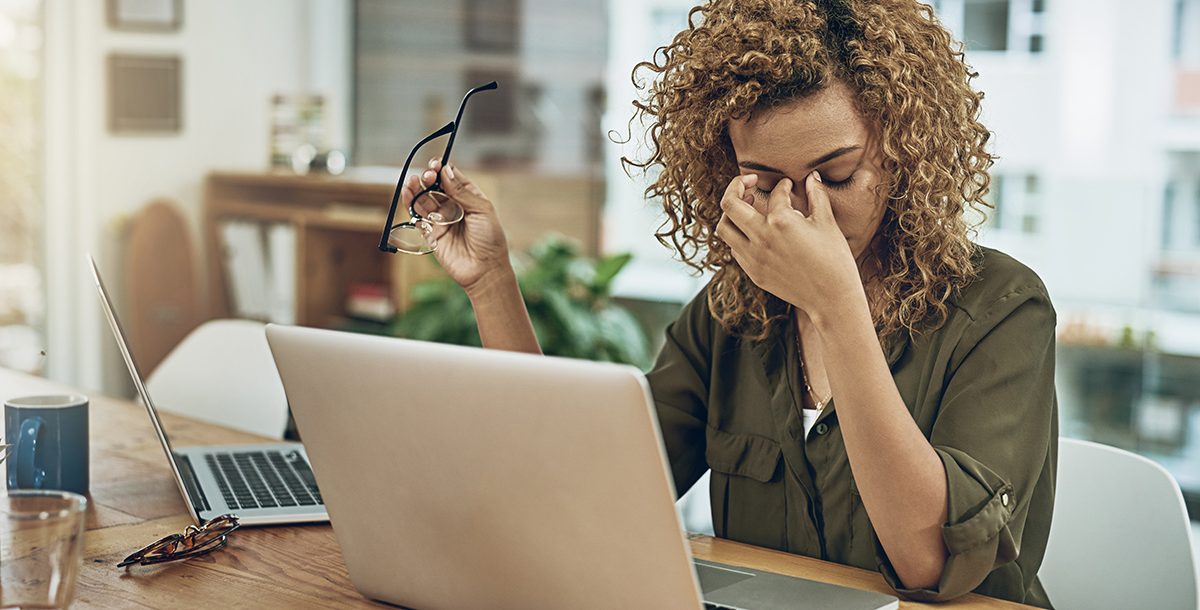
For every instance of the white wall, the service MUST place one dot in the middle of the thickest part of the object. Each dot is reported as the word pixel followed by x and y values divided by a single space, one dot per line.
pixel 235 56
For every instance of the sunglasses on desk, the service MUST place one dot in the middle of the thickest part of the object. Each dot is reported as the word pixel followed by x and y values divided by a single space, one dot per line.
pixel 193 542
pixel 431 207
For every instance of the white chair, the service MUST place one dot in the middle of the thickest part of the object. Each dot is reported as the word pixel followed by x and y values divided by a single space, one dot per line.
pixel 1120 537
pixel 223 372
pixel 695 508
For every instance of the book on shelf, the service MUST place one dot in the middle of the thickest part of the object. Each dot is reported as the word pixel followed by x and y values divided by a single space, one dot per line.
pixel 260 270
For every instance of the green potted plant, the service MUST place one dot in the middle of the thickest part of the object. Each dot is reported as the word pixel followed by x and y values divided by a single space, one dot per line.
pixel 569 302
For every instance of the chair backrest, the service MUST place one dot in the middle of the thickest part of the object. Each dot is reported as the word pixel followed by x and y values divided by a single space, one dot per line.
pixel 161 282
pixel 1120 537
pixel 223 373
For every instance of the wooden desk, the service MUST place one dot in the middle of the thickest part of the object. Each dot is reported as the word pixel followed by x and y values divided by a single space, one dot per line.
pixel 134 501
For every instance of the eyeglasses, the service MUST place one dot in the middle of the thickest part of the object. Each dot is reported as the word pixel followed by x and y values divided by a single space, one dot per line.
pixel 193 542
pixel 431 206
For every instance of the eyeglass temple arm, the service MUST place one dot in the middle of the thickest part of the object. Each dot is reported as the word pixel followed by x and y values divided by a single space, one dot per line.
pixel 383 245
pixel 458 118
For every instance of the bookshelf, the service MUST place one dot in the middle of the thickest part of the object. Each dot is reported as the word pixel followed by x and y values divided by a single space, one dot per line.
pixel 337 222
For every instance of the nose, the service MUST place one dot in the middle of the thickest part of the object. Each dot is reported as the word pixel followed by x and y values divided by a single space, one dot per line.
pixel 800 199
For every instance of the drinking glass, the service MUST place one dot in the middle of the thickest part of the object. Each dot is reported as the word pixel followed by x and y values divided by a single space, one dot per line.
pixel 41 547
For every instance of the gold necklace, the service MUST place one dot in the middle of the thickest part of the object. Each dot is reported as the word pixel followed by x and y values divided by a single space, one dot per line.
pixel 820 404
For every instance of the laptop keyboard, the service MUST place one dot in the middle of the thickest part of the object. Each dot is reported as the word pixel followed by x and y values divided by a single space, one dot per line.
pixel 264 479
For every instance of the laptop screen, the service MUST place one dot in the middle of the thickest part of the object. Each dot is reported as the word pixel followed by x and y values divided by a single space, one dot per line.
pixel 136 374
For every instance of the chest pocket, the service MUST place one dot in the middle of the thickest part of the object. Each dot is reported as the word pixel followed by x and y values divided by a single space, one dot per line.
pixel 747 491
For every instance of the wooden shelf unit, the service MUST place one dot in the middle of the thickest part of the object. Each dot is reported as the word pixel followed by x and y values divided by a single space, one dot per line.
pixel 338 220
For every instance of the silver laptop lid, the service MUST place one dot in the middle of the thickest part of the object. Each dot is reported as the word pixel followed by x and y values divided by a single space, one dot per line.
pixel 136 375
pixel 468 478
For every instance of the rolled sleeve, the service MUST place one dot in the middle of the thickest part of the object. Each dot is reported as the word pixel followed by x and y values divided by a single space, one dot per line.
pixel 679 384
pixel 994 432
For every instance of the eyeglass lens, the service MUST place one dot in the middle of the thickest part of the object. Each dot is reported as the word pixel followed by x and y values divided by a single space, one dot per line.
pixel 413 238
pixel 437 207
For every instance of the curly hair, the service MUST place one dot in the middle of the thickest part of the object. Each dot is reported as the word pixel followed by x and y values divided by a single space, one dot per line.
pixel 909 79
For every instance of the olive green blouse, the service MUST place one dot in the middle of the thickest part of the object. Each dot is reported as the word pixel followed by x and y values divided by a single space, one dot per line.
pixel 981 389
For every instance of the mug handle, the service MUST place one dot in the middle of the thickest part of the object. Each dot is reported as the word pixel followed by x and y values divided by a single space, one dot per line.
pixel 31 474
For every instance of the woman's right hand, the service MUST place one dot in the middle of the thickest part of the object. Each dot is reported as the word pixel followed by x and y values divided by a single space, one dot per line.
pixel 475 247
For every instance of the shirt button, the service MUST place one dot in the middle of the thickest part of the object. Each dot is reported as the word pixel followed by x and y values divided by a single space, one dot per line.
pixel 1004 498
pixel 822 429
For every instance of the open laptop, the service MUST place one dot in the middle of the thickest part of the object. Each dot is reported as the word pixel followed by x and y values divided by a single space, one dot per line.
pixel 263 484
pixel 467 478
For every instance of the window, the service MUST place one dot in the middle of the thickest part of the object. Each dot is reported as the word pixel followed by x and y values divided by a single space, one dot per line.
pixel 1013 26
pixel 492 25
pixel 1016 201
pixel 414 59
pixel 1187 32
pixel 995 197
pixel 985 25
pixel 1176 279
pixel 1181 216
pixel 1181 206
pixel 499 115
pixel 1186 52
pixel 22 305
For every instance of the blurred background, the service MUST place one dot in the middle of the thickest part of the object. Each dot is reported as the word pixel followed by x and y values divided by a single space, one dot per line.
pixel 197 150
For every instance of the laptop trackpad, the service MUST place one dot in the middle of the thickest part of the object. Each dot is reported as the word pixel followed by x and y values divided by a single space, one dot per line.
pixel 713 578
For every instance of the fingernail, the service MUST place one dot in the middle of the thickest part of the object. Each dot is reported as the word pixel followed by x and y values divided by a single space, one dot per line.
pixel 817 176
pixel 433 162
pixel 450 172
pixel 748 179
pixel 429 175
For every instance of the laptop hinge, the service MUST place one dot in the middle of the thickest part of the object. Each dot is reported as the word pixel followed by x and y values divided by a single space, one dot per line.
pixel 195 495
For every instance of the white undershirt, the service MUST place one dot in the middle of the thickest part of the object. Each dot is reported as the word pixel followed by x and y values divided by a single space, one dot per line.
pixel 810 418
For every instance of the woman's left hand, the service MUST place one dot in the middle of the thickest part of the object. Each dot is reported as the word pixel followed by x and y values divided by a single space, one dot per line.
pixel 804 260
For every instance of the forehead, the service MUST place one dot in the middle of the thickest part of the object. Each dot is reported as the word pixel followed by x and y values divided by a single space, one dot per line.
pixel 802 129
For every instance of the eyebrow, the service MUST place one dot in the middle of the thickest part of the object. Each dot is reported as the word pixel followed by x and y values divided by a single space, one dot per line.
pixel 825 158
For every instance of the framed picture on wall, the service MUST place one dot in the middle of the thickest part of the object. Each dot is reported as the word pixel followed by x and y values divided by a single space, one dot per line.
pixel 145 15
pixel 144 94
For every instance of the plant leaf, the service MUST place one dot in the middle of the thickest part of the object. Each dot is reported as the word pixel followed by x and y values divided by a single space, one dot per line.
pixel 623 337
pixel 607 270
pixel 565 293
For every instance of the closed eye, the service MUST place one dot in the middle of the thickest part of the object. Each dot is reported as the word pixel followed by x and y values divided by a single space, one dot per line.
pixel 839 184
pixel 833 184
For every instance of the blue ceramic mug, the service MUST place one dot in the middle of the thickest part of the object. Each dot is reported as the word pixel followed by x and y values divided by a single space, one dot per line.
pixel 49 438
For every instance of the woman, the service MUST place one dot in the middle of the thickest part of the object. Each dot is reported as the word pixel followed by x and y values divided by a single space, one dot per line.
pixel 866 385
